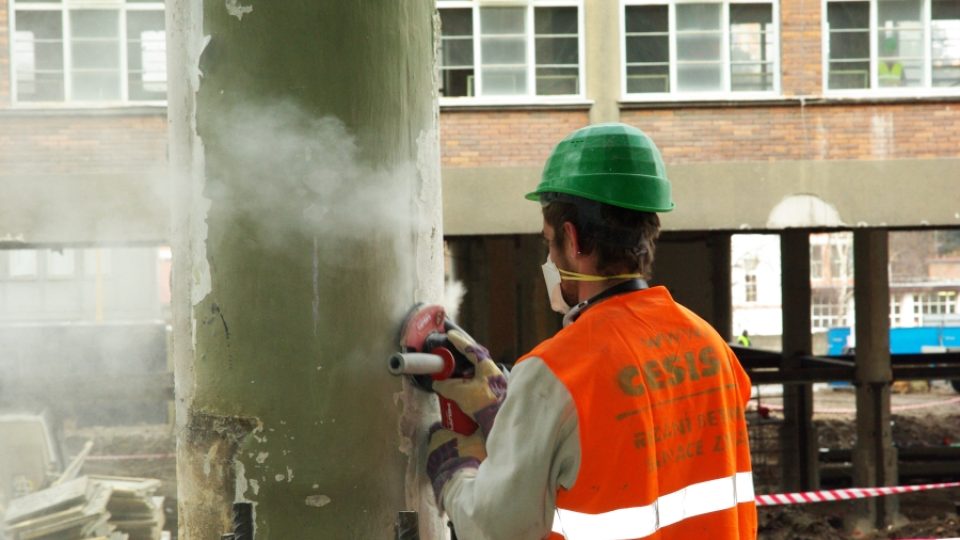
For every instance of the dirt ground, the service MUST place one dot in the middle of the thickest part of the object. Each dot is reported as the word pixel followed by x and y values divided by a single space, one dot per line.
pixel 921 417
pixel 926 418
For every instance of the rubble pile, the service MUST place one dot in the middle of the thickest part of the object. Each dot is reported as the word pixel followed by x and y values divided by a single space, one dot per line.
pixel 89 507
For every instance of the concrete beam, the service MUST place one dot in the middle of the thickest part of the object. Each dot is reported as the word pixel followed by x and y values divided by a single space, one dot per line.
pixel 753 196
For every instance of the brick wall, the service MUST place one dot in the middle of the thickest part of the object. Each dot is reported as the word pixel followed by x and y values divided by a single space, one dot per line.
pixel 38 144
pixel 504 138
pixel 814 132
pixel 4 54
pixel 800 51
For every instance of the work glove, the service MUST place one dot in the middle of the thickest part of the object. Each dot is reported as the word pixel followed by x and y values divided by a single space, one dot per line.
pixel 449 452
pixel 481 396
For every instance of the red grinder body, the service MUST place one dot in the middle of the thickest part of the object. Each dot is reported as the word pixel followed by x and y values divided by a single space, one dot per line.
pixel 425 331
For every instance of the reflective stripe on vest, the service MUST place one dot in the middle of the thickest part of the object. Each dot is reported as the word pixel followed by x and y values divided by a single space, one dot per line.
pixel 628 523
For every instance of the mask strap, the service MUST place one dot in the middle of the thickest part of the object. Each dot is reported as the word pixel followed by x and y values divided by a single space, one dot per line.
pixel 576 276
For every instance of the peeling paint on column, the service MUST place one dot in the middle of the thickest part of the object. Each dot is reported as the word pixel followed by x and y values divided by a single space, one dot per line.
pixel 236 10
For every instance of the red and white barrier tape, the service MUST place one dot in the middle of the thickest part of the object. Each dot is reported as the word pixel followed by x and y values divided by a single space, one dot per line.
pixel 805 497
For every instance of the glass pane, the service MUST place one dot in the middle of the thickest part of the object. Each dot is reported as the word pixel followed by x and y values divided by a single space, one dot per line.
pixel 645 79
pixel 647 19
pixel 900 43
pixel 61 263
pixel 699 77
pixel 22 262
pixel 94 24
pixel 457 52
pixel 945 46
pixel 456 22
pixel 96 86
pixel 751 77
pixel 756 14
pixel 555 20
pixel 849 45
pixel 751 47
pixel 504 82
pixel 503 56
pixel 557 50
pixel 848 15
pixel 699 47
pixel 38 55
pixel 698 17
pixel 456 82
pixel 557 81
pixel 849 75
pixel 95 55
pixel 146 55
pixel 505 20
pixel 648 49
pixel 503 51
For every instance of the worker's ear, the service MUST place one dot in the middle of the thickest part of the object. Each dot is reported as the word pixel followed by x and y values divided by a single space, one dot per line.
pixel 571 240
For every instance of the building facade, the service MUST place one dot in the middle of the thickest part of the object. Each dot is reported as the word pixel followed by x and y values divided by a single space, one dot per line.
pixel 84 198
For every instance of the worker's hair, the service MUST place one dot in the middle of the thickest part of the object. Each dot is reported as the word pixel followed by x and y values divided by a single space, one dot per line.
pixel 623 239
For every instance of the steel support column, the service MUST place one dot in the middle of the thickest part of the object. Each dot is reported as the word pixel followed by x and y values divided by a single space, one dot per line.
pixel 798 437
pixel 874 457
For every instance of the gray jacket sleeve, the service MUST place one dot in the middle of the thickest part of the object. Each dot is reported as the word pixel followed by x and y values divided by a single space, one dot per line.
pixel 533 449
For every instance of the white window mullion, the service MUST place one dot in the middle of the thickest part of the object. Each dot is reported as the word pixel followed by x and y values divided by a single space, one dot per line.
pixel 477 58
pixel 725 78
pixel 12 66
pixel 775 26
pixel 874 52
pixel 531 54
pixel 124 47
pixel 581 53
pixel 927 14
pixel 672 29
pixel 67 57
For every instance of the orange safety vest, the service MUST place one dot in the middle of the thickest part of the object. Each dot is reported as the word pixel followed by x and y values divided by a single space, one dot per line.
pixel 660 399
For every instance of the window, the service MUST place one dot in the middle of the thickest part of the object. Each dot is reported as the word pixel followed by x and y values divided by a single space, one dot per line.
pixel 89 51
pixel 528 49
pixel 893 44
pixel 61 263
pixel 816 261
pixel 694 48
pixel 22 263
pixel 750 287
pixel 827 310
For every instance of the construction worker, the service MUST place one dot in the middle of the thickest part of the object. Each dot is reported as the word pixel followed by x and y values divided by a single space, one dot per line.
pixel 889 68
pixel 743 339
pixel 629 422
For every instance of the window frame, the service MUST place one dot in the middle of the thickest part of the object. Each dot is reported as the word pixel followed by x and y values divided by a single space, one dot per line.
pixel 65 7
pixel 875 90
pixel 530 98
pixel 721 95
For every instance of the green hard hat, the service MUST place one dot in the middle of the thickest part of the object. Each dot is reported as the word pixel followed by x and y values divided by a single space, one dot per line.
pixel 613 163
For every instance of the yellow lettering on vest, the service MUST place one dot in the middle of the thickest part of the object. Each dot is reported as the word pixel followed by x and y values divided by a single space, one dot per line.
pixel 653 374
pixel 670 363
pixel 628 383
pixel 709 362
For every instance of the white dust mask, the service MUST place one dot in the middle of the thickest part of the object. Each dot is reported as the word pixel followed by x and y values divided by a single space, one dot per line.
pixel 551 276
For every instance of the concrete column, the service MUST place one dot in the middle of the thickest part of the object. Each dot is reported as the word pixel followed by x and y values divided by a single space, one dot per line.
pixel 798 438
pixel 307 223
pixel 719 243
pixel 603 66
pixel 875 458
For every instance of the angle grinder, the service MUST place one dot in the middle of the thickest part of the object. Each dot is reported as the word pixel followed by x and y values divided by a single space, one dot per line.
pixel 427 355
